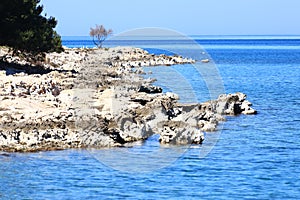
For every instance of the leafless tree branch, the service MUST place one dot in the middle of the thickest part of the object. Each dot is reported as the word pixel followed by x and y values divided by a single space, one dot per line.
pixel 99 34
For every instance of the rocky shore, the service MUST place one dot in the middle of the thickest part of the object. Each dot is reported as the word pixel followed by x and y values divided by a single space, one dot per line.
pixel 84 98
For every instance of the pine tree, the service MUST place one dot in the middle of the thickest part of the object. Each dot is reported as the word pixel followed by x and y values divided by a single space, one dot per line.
pixel 22 27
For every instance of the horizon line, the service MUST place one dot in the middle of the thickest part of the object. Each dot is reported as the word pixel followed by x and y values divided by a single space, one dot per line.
pixel 204 37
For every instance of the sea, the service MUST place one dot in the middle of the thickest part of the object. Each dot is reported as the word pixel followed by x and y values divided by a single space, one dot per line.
pixel 249 157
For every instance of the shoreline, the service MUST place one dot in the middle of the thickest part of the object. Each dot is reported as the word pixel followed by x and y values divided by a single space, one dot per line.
pixel 97 98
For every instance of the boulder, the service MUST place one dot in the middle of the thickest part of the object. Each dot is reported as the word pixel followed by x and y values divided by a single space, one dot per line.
pixel 233 104
pixel 246 109
pixel 205 60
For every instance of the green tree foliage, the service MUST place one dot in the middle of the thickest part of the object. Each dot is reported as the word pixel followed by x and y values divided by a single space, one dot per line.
pixel 22 27
pixel 99 35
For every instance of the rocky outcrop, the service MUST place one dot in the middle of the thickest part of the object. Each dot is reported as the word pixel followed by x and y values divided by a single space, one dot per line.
pixel 93 98
pixel 124 57
pixel 233 104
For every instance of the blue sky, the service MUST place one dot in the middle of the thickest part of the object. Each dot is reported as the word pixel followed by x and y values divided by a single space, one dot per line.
pixel 191 17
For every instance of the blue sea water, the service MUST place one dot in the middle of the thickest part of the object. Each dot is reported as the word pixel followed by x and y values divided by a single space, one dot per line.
pixel 256 157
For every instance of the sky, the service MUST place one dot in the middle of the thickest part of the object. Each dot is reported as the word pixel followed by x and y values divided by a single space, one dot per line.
pixel 190 17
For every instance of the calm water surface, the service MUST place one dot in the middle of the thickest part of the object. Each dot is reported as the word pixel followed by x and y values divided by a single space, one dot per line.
pixel 255 157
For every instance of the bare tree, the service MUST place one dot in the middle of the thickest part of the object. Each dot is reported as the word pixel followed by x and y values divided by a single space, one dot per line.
pixel 99 34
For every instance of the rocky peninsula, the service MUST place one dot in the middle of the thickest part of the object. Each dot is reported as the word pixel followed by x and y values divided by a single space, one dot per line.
pixel 94 98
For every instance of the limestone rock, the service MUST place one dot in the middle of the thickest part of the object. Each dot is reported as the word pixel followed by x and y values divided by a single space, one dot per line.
pixel 179 133
pixel 233 104
pixel 94 98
